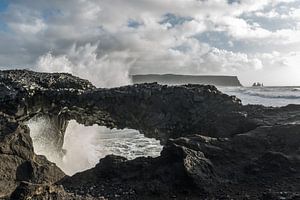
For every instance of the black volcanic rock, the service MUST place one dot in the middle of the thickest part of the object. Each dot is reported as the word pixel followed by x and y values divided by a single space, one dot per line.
pixel 214 147
pixel 17 159
pixel 143 178
pixel 246 166
pixel 28 190
pixel 155 110
pixel 175 79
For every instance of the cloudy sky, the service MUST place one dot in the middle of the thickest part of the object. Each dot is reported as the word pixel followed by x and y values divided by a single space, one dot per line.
pixel 106 40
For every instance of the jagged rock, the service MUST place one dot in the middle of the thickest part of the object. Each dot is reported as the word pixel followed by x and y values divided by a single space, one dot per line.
pixel 201 167
pixel 28 190
pixel 214 147
pixel 116 177
pixel 155 110
pixel 17 159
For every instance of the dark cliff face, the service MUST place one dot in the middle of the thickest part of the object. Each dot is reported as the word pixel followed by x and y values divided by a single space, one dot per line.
pixel 214 147
pixel 174 79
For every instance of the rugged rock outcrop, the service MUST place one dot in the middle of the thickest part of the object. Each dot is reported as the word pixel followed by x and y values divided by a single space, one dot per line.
pixel 155 110
pixel 17 160
pixel 27 190
pixel 247 166
pixel 214 147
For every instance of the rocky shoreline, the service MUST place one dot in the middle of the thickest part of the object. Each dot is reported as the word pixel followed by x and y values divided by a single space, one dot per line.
pixel 214 147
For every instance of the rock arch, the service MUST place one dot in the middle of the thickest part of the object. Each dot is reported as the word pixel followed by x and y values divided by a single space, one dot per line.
pixel 157 111
pixel 210 138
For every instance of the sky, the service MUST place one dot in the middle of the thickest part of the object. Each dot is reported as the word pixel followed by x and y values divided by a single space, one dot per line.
pixel 105 41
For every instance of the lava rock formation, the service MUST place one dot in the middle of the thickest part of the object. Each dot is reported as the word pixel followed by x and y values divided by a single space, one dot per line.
pixel 214 147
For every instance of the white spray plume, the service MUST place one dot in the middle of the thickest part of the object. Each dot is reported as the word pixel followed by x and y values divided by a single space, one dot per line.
pixel 109 70
pixel 78 142
pixel 85 145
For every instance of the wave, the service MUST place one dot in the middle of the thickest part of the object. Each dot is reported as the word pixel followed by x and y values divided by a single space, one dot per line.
pixel 296 89
pixel 272 96
pixel 268 96
pixel 273 93
pixel 267 92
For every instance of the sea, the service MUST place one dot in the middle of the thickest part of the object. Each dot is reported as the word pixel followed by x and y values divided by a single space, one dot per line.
pixel 85 146
pixel 267 96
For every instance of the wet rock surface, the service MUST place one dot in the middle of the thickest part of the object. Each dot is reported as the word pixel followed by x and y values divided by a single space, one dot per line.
pixel 214 147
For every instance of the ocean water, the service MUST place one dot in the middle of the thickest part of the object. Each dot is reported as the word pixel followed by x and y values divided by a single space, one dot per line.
pixel 85 145
pixel 267 96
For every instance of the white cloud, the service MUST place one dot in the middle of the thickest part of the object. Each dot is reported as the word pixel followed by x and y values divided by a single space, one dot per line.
pixel 92 39
pixel 29 28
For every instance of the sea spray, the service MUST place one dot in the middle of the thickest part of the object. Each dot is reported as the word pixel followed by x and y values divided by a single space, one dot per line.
pixel 79 151
pixel 85 145
pixel 109 70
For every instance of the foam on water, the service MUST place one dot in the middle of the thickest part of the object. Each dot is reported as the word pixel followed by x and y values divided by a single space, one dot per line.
pixel 85 145
pixel 128 143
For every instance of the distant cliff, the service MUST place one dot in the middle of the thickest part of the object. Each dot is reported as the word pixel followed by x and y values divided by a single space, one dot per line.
pixel 185 79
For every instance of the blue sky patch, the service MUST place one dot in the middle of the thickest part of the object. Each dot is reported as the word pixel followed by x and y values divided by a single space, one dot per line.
pixel 174 20
pixel 221 40
pixel 133 23
pixel 3 26
pixel 216 39
pixel 233 1
pixel 47 14
pixel 182 48
pixel 3 5
pixel 3 8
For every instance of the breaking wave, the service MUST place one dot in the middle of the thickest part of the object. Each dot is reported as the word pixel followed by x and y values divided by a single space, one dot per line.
pixel 85 145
